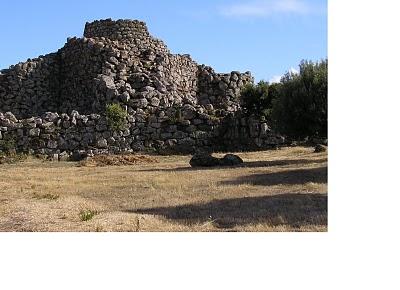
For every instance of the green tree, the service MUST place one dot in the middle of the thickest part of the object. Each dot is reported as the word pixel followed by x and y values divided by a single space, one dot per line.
pixel 301 108
pixel 257 99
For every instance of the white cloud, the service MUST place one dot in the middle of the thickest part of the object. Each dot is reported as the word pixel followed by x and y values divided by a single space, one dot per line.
pixel 264 8
pixel 293 70
pixel 277 78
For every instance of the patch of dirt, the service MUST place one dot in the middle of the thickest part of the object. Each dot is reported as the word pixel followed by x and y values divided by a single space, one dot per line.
pixel 117 160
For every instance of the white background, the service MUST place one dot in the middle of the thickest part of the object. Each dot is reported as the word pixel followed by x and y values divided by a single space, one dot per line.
pixel 361 249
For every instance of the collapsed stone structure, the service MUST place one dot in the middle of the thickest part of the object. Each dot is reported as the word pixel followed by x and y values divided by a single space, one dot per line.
pixel 54 104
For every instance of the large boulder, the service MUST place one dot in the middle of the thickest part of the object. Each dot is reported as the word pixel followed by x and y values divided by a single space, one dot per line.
pixel 320 148
pixel 78 155
pixel 207 160
pixel 231 160
pixel 203 160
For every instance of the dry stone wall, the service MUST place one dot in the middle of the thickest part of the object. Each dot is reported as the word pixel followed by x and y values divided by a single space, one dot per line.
pixel 55 104
pixel 28 88
pixel 65 134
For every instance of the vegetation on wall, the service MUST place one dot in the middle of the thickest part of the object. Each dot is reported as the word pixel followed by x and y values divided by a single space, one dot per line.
pixel 7 144
pixel 116 117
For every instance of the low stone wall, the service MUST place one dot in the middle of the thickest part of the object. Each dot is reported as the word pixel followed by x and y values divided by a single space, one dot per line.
pixel 65 134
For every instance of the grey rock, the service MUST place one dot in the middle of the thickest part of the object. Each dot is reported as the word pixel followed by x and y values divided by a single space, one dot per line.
pixel 165 135
pixel 107 81
pixel 48 127
pixel 102 143
pixel 209 107
pixel 320 148
pixel 63 156
pixel 171 128
pixel 52 157
pixel 52 144
pixel 197 121
pixel 78 155
pixel 264 129
pixel 185 122
pixel 10 116
pixel 155 102
pixel 147 89
pixel 155 125
pixel 187 142
pixel 124 97
pixel 223 86
pixel 50 116
pixel 179 135
pixel 114 60
pixel 322 141
pixel 188 112
pixel 204 160
pixel 231 160
pixel 141 103
pixel 66 124
pixel 34 132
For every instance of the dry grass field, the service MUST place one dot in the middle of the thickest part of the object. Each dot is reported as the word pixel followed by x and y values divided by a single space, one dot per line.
pixel 277 190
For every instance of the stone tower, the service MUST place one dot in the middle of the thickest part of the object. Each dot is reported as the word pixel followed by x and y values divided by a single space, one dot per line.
pixel 120 62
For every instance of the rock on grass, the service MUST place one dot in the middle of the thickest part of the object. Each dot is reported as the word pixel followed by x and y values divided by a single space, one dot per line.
pixel 207 160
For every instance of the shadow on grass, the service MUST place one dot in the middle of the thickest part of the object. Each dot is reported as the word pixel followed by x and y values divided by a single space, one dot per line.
pixel 292 209
pixel 289 177
pixel 248 164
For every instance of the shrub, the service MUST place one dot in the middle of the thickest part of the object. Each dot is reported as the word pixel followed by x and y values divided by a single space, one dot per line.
pixel 86 215
pixel 257 99
pixel 297 106
pixel 301 109
pixel 116 117
pixel 7 144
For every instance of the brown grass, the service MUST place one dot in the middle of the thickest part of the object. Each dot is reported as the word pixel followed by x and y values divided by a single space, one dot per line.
pixel 279 190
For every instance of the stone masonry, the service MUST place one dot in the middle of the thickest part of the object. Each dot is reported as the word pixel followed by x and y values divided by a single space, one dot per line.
pixel 54 104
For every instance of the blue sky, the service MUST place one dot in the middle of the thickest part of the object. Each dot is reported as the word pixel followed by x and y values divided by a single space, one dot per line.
pixel 266 37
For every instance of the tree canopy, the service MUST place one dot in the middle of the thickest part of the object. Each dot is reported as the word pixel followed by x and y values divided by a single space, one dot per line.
pixel 297 106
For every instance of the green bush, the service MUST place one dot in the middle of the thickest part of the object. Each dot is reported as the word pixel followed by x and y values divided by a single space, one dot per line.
pixel 116 117
pixel 257 99
pixel 297 106
pixel 301 109
pixel 8 153
pixel 87 214
pixel 7 144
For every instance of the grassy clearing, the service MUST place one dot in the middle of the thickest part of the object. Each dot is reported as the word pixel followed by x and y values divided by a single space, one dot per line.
pixel 279 190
